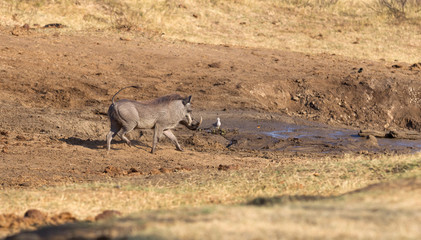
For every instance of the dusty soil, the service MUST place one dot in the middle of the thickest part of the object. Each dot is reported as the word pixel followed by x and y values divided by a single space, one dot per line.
pixel 56 88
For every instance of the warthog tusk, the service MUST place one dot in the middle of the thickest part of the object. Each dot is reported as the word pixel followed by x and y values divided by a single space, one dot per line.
pixel 190 120
pixel 192 126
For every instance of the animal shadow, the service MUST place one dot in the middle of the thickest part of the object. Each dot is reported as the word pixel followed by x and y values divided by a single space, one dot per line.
pixel 97 144
pixel 285 199
pixel 88 143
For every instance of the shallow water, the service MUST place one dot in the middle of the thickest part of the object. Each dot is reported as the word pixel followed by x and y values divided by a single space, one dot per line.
pixel 287 134
pixel 338 137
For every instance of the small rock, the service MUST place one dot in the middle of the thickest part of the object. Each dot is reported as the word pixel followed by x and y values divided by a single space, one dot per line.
pixel 20 138
pixel 24 184
pixel 214 65
pixel 223 167
pixel 107 214
pixel 35 214
pixel 125 39
pixel 165 170
pixel 415 66
pixel 54 25
pixel 113 170
pixel 134 171
pixel 372 139
pixel 154 172
pixel 63 217
pixel 295 98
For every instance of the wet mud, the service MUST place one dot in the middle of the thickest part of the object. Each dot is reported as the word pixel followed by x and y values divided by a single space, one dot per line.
pixel 287 134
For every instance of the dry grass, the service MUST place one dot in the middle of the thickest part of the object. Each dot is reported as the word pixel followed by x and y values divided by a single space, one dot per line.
pixel 327 177
pixel 346 218
pixel 200 207
pixel 361 29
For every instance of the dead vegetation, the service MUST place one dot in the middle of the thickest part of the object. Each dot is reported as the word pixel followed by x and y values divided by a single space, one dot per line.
pixel 362 29
pixel 325 197
pixel 399 9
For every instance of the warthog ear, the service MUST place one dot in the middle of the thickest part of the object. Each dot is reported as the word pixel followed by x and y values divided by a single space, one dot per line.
pixel 187 100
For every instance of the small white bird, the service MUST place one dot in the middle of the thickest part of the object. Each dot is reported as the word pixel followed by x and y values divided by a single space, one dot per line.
pixel 218 123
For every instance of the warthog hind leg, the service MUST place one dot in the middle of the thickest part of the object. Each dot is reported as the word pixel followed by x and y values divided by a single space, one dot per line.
pixel 172 137
pixel 110 136
pixel 115 128
pixel 127 129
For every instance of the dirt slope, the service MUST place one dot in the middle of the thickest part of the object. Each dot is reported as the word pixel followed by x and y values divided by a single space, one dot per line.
pixel 82 71
pixel 56 88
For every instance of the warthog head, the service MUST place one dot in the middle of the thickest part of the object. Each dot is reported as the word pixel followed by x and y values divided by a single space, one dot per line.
pixel 188 122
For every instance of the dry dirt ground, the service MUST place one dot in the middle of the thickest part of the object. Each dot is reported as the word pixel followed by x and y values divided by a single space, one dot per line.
pixel 55 89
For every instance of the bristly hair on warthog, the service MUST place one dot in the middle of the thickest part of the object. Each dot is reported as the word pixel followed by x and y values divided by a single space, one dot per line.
pixel 161 115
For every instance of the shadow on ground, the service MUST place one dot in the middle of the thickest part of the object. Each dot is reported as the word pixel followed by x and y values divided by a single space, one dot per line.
pixel 284 199
pixel 88 143
pixel 97 144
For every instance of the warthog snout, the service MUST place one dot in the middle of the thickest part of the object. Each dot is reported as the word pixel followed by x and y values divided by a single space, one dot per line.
pixel 191 125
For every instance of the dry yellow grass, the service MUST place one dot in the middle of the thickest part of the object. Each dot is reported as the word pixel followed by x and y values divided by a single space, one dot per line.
pixel 351 217
pixel 360 29
pixel 383 211
pixel 326 177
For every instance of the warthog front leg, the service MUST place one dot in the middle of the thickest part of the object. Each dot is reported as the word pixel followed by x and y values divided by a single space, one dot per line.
pixel 172 137
pixel 158 131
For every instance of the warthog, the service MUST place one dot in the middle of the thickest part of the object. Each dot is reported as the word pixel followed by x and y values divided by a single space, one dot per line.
pixel 161 114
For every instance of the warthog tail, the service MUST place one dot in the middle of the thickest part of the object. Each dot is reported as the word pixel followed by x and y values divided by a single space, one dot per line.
pixel 112 100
